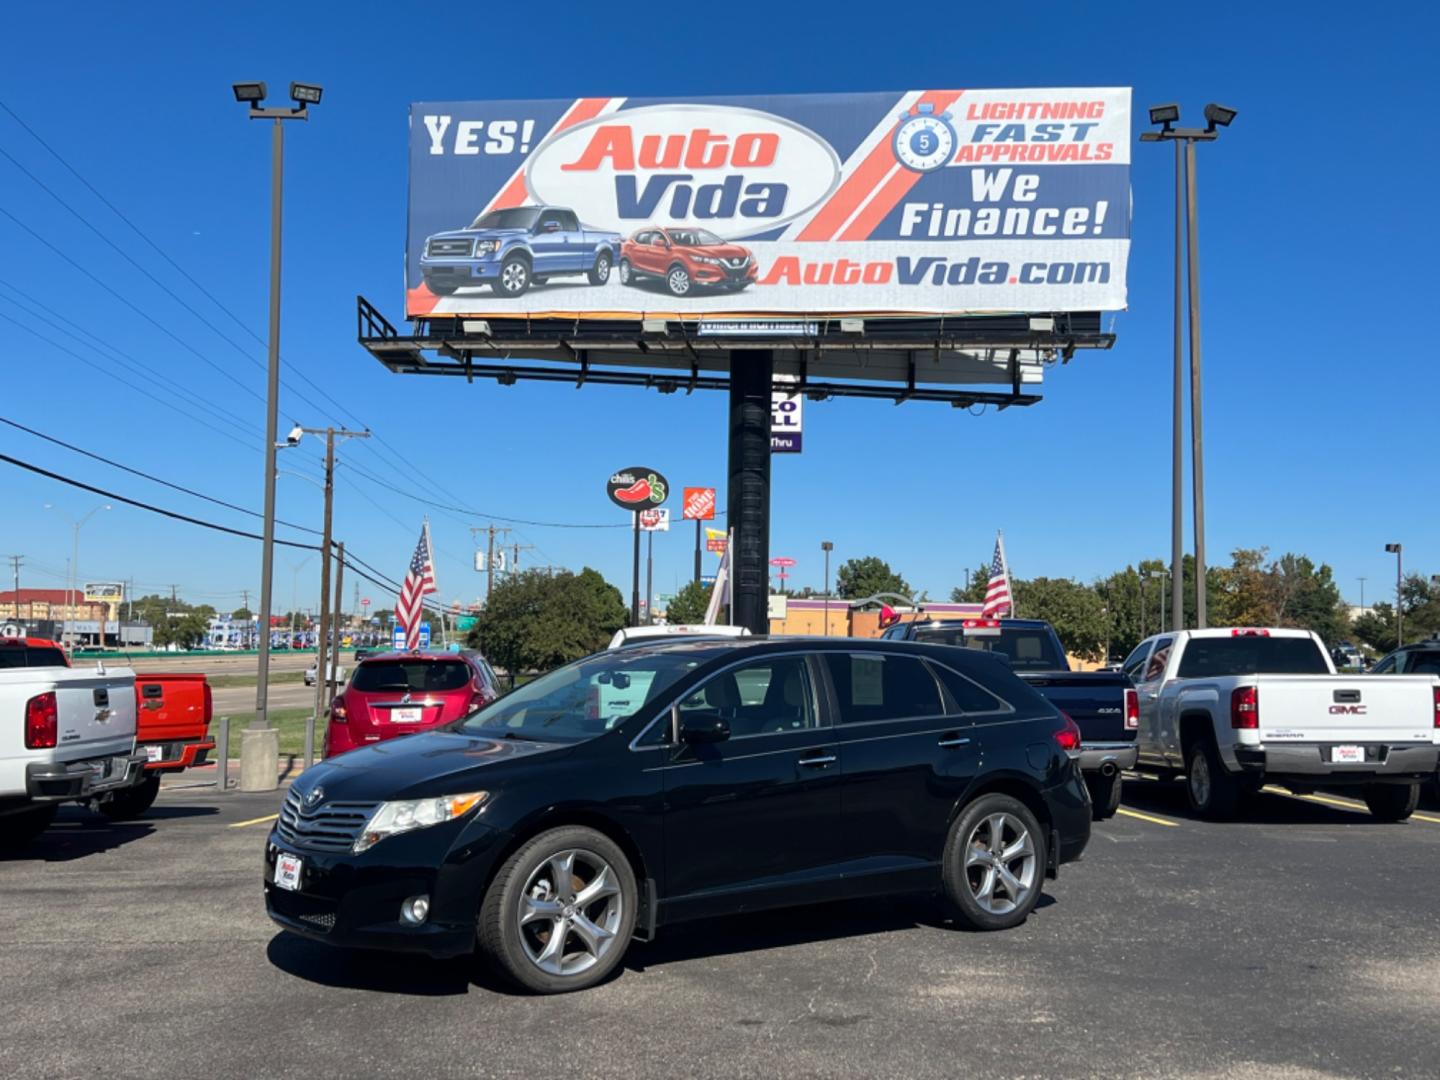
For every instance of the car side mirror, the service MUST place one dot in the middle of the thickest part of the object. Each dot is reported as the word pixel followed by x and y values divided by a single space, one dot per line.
pixel 703 727
pixel 551 226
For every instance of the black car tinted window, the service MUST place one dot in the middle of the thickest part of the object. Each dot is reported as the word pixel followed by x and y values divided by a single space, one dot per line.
pixel 18 656
pixel 1026 648
pixel 1420 662
pixel 410 676
pixel 970 696
pixel 1210 657
pixel 764 698
pixel 876 686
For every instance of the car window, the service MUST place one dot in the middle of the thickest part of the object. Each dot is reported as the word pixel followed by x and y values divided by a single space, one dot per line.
pixel 18 656
pixel 876 686
pixel 1384 667
pixel 970 696
pixel 568 220
pixel 410 676
pixel 1251 655
pixel 1136 661
pixel 1419 662
pixel 1158 659
pixel 1025 648
pixel 766 697
pixel 547 217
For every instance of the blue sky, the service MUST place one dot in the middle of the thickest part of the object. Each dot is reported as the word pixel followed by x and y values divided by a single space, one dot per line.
pixel 1319 393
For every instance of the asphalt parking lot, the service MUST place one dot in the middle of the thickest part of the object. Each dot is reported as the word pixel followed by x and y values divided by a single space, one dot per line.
pixel 1301 941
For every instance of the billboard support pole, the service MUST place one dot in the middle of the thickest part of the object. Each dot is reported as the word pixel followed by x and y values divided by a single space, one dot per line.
pixel 697 558
pixel 635 570
pixel 751 379
pixel 649 576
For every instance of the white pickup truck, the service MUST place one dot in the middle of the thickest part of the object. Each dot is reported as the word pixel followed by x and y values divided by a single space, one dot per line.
pixel 1236 708
pixel 66 735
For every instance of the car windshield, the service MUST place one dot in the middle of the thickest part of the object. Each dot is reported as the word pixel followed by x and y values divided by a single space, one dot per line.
pixel 1208 657
pixel 694 238
pixel 587 697
pixel 410 676
pixel 1024 649
pixel 519 217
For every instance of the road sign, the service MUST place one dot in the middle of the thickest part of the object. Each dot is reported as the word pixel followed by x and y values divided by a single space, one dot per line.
pixel 655 520
pixel 699 504
pixel 637 488
pixel 707 579
pixel 782 560
pixel 397 639
pixel 365 601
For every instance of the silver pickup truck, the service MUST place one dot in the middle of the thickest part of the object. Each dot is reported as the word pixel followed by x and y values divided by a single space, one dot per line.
pixel 66 735
pixel 1239 707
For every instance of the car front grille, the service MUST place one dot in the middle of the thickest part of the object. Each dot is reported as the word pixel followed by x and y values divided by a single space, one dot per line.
pixel 461 248
pixel 331 826
pixel 736 264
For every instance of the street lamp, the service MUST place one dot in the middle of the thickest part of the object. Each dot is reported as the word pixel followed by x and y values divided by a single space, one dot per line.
pixel 72 579
pixel 1167 116
pixel 260 744
pixel 1396 550
pixel 826 546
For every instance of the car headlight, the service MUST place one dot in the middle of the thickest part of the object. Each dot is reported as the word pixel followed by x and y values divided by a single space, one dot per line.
pixel 485 247
pixel 394 818
pixel 707 259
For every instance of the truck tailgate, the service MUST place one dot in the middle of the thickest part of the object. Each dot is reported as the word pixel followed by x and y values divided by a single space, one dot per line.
pixel 1095 700
pixel 172 707
pixel 95 712
pixel 1341 708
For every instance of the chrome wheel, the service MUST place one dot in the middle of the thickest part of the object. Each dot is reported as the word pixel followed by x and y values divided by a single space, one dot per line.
pixel 513 277
pixel 1199 778
pixel 570 912
pixel 1000 864
pixel 624 271
pixel 679 281
pixel 602 269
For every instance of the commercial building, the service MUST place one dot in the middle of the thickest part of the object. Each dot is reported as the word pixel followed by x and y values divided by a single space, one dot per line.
pixel 57 605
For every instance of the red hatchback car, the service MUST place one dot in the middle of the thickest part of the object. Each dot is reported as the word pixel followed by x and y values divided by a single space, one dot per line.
pixel 401 693
pixel 685 258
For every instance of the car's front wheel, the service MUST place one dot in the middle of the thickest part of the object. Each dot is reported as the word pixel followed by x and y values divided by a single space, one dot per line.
pixel 600 273
pixel 678 280
pixel 514 277
pixel 560 912
pixel 994 865
pixel 1392 802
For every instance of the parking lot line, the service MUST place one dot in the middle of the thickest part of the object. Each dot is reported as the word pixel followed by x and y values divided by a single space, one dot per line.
pixel 1344 804
pixel 1147 817
pixel 254 821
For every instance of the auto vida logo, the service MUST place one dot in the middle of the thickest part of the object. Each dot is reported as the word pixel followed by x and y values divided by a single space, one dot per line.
pixel 733 171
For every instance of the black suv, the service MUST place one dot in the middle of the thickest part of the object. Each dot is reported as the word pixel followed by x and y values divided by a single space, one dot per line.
pixel 1419 658
pixel 679 780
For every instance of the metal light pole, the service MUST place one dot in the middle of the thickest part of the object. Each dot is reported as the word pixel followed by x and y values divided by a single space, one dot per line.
pixel 72 577
pixel 260 742
pixel 826 546
pixel 1396 550
pixel 1185 201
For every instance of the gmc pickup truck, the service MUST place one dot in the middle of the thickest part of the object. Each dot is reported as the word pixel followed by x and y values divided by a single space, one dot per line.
pixel 1102 703
pixel 512 249
pixel 66 735
pixel 1236 708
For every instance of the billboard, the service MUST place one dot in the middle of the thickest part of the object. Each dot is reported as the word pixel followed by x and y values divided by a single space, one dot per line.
pixel 787 419
pixel 104 592
pixel 915 202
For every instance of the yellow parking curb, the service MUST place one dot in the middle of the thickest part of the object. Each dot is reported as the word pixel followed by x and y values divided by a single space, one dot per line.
pixel 1147 817
pixel 254 821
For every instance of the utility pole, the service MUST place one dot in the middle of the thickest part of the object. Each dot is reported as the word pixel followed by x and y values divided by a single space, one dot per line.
pixel 15 561
pixel 322 676
pixel 515 550
pixel 1362 595
pixel 489 531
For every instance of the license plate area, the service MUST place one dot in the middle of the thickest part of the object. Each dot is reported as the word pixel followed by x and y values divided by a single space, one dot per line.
pixel 288 869
pixel 1353 754
pixel 154 753
pixel 411 715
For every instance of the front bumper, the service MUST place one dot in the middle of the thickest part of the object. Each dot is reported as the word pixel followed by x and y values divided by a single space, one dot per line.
pixel 458 272
pixel 706 274
pixel 67 781
pixel 1384 763
pixel 1095 756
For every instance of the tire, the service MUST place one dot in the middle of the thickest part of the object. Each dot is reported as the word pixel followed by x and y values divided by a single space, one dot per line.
pixel 1392 802
pixel 678 281
pixel 17 830
pixel 514 279
pixel 522 951
pixel 1104 795
pixel 599 274
pixel 627 273
pixel 132 801
pixel 973 882
pixel 1213 792
pixel 441 290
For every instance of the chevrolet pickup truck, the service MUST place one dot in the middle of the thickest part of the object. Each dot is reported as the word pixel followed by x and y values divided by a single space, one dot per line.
pixel 1102 703
pixel 66 735
pixel 512 249
pixel 1236 708
pixel 173 714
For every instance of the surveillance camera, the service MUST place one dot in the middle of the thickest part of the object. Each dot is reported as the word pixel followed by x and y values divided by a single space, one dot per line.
pixel 296 434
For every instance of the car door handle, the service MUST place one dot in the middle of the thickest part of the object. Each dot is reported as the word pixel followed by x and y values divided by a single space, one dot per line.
pixel 818 761
pixel 951 739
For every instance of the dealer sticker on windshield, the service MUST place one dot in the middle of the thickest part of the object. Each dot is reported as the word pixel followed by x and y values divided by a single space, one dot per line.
pixel 287 871
pixel 1350 755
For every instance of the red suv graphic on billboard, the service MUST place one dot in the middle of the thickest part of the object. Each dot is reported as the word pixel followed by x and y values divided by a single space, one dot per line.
pixel 682 259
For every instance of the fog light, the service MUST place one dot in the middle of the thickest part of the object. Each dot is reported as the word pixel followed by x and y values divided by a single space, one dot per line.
pixel 415 910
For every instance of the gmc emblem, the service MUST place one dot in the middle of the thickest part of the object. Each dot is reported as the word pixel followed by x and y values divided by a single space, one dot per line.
pixel 1347 710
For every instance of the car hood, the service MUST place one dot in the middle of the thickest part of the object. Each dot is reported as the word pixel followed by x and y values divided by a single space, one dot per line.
pixel 474 234
pixel 718 251
pixel 415 766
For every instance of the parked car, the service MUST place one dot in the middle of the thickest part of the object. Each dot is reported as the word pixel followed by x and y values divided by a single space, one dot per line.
pixel 66 735
pixel 686 258
pixel 512 249
pixel 752 773
pixel 1236 708
pixel 1418 658
pixel 632 635
pixel 337 672
pixel 395 694
pixel 1346 655
pixel 1102 703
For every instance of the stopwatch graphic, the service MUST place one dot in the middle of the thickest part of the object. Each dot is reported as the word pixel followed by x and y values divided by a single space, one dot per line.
pixel 924 141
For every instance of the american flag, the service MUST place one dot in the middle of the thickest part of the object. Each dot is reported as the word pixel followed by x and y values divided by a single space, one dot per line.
pixel 997 594
pixel 419 582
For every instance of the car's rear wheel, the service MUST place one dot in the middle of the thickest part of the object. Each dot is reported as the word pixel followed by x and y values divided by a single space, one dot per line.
pixel 440 290
pixel 627 272
pixel 560 912
pixel 130 802
pixel 600 272
pixel 994 865
pixel 1213 792
pixel 677 280
pixel 1392 802
pixel 1104 795
pixel 18 829
pixel 514 277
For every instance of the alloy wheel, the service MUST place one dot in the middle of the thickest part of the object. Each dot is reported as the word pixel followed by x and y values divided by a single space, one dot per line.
pixel 1199 777
pixel 571 911
pixel 1001 867
pixel 512 277
pixel 602 268
pixel 679 281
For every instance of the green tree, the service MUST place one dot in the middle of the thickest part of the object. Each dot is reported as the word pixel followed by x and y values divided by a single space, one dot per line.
pixel 689 604
pixel 242 614
pixel 1376 628
pixel 536 620
pixel 1076 612
pixel 974 592
pixel 859 578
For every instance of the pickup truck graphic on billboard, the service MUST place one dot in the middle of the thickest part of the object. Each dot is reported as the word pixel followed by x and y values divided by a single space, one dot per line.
pixel 921 202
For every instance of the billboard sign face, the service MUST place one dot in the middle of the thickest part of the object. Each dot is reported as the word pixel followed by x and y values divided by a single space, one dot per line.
pixel 786 421
pixel 104 592
pixel 699 504
pixel 914 202
pixel 655 520
pixel 637 488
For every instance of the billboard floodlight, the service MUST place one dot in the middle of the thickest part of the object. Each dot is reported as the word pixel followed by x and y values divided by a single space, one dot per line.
pixel 1218 115
pixel 249 93
pixel 305 93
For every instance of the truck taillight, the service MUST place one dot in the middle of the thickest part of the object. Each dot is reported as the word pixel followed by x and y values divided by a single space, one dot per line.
pixel 1245 708
pixel 1068 736
pixel 1249 631
pixel 1436 692
pixel 1132 711
pixel 42 721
